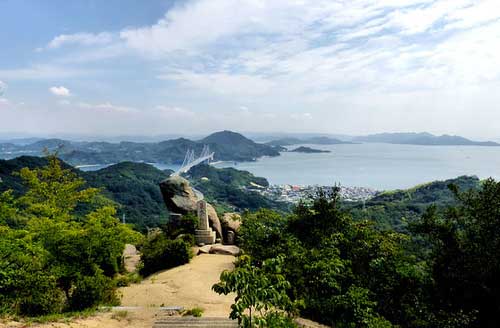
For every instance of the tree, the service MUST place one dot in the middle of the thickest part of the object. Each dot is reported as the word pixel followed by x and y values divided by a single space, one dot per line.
pixel 465 248
pixel 57 260
pixel 262 291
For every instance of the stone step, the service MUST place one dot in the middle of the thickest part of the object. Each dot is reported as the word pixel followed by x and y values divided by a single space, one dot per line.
pixel 203 322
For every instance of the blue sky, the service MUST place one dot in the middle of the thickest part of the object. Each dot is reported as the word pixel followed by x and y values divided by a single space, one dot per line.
pixel 133 67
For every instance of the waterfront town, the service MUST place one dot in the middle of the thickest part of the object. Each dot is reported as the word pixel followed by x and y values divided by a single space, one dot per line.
pixel 294 193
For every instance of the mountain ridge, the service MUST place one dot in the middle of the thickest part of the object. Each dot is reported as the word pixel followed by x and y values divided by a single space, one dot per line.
pixel 227 145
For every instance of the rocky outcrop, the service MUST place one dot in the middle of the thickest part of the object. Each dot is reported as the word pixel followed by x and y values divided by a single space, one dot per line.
pixel 178 195
pixel 180 198
pixel 213 218
pixel 232 221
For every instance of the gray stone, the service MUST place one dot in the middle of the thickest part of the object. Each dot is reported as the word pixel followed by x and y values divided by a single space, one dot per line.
pixel 178 196
pixel 202 215
pixel 225 250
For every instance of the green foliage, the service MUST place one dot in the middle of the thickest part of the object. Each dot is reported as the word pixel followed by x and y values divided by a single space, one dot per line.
pixel 465 260
pixel 134 188
pixel 52 259
pixel 195 312
pixel 395 210
pixel 183 226
pixel 260 291
pixel 130 187
pixel 348 273
pixel 160 253
pixel 232 188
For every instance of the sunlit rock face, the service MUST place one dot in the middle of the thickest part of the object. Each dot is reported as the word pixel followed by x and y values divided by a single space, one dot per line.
pixel 180 198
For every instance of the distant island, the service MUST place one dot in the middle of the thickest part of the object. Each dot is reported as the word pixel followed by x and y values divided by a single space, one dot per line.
pixel 227 145
pixel 423 138
pixel 309 150
pixel 310 141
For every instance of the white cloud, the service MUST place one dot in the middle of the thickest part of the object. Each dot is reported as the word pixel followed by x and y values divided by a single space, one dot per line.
pixel 82 39
pixel 60 91
pixel 107 107
pixel 222 83
pixel 44 72
pixel 168 111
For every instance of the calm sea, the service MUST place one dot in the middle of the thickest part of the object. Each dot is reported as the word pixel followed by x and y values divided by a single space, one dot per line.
pixel 378 166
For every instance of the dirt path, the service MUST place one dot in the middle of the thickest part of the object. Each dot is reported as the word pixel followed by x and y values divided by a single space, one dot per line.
pixel 187 286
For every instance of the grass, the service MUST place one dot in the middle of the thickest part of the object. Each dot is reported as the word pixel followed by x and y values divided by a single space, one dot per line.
pixel 195 312
pixel 59 317
pixel 119 315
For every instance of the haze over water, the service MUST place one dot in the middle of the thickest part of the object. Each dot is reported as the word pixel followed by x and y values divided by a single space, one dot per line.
pixel 378 166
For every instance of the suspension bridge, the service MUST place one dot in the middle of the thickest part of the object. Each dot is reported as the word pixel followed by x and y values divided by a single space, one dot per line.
pixel 191 160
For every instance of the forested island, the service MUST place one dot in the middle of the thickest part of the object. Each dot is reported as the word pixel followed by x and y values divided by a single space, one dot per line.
pixel 308 150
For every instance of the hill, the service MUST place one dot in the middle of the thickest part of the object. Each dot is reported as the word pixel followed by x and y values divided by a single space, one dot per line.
pixel 423 138
pixel 395 209
pixel 234 146
pixel 231 189
pixel 226 145
pixel 132 186
pixel 309 141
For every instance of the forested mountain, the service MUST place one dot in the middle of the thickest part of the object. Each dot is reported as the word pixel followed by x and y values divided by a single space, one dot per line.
pixel 395 209
pixel 423 138
pixel 226 145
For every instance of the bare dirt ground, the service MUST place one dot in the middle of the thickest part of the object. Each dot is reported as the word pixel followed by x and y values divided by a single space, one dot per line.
pixel 187 286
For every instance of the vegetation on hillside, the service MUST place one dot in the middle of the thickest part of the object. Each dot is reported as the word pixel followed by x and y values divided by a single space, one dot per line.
pixel 347 273
pixel 131 187
pixel 232 189
pixel 52 258
pixel 395 210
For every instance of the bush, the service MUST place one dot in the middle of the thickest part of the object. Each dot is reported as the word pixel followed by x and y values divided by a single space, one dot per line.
pixel 195 312
pixel 160 253
pixel 90 291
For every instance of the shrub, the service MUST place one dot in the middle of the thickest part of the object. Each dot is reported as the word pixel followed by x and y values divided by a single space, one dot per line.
pixel 90 291
pixel 160 253
pixel 195 312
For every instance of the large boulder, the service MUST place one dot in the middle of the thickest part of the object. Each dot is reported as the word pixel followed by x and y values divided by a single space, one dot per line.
pixel 178 195
pixel 213 218
pixel 180 198
pixel 232 221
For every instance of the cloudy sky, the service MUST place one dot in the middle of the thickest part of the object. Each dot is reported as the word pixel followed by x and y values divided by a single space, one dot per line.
pixel 125 67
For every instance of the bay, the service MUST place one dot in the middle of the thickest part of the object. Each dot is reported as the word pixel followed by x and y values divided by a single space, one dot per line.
pixel 373 165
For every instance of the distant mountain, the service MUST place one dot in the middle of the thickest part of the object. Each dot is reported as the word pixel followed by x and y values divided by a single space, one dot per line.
pixel 226 145
pixel 308 150
pixel 310 141
pixel 423 138
pixel 235 147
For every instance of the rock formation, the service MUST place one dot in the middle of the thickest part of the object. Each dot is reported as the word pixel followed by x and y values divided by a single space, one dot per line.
pixel 180 198
pixel 231 223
